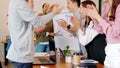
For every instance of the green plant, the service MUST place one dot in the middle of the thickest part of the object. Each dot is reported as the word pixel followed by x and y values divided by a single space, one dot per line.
pixel 67 51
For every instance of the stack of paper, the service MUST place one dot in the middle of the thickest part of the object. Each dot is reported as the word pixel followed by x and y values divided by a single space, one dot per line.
pixel 41 54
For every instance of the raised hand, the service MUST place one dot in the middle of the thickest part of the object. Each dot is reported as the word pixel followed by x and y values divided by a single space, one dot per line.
pixel 56 9
pixel 76 22
pixel 93 13
pixel 63 23
pixel 53 34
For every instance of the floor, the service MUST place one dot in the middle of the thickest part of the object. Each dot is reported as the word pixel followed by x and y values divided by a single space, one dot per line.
pixel 8 66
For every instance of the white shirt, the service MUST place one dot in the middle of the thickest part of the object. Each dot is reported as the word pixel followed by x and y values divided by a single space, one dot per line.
pixel 20 23
pixel 88 36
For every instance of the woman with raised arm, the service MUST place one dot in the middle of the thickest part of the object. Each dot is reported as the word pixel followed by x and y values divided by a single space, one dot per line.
pixel 111 27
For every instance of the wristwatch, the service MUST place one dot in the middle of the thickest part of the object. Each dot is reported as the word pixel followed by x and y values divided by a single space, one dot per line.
pixel 68 26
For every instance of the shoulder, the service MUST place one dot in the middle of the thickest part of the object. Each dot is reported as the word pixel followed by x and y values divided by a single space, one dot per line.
pixel 118 11
pixel 118 7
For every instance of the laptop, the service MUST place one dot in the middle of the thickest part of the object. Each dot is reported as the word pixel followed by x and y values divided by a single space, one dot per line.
pixel 45 58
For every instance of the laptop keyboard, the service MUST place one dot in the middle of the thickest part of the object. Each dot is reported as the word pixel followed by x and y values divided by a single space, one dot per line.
pixel 44 60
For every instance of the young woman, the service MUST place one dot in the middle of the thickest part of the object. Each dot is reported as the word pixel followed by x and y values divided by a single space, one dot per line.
pixel 111 28
pixel 45 33
pixel 90 34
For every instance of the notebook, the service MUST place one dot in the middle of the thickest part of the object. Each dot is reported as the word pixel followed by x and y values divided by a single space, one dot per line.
pixel 44 58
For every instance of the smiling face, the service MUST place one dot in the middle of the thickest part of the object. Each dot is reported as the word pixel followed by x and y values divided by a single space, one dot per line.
pixel 46 7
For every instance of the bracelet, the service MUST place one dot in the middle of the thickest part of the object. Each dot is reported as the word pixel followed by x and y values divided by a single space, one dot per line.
pixel 68 26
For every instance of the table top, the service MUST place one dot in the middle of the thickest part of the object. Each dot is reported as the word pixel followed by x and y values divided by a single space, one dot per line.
pixel 62 64
pixel 4 41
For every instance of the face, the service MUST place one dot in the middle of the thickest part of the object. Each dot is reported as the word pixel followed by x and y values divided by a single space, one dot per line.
pixel 70 5
pixel 31 3
pixel 46 7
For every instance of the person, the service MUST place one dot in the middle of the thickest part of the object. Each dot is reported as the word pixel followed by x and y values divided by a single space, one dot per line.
pixel 20 24
pixel 9 40
pixel 74 7
pixel 91 36
pixel 111 28
pixel 43 37
pixel 0 65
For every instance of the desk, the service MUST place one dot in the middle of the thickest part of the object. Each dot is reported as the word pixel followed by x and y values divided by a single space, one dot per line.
pixel 5 52
pixel 62 64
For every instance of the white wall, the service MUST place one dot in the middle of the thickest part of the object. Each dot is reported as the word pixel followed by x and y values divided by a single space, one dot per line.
pixel 3 18
pixel 3 24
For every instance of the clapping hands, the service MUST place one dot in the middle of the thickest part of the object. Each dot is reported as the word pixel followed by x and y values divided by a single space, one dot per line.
pixel 63 23
pixel 76 22
pixel 56 9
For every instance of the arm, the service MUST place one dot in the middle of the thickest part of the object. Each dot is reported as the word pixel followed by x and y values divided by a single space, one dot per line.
pixel 105 10
pixel 40 29
pixel 113 30
pixel 31 16
pixel 64 24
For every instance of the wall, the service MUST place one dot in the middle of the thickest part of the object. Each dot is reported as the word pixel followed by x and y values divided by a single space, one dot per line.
pixel 3 18
pixel 3 24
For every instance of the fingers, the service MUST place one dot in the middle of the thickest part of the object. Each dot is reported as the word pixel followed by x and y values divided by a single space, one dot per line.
pixel 93 7
pixel 57 9
pixel 63 23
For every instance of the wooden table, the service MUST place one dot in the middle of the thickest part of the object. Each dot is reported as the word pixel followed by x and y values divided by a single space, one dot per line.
pixel 62 64
pixel 5 52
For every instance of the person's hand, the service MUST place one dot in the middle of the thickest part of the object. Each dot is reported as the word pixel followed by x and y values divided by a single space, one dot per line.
pixel 76 22
pixel 63 23
pixel 56 9
pixel 53 34
pixel 40 29
pixel 93 13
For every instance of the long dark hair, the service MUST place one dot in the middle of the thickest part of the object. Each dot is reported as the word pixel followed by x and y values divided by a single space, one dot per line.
pixel 115 3
pixel 84 4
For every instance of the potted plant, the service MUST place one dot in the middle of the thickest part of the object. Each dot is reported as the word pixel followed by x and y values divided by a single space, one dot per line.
pixel 68 55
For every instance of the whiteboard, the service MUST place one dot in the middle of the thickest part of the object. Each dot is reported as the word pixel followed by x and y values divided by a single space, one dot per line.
pixel 64 38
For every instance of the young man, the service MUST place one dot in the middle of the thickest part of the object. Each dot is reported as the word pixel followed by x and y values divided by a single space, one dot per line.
pixel 74 7
pixel 20 23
